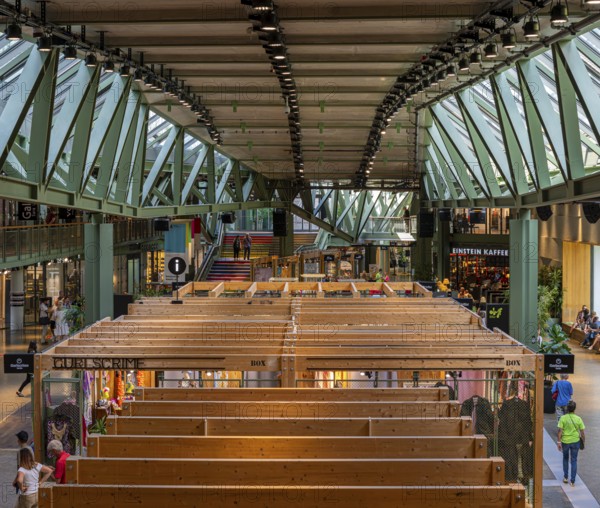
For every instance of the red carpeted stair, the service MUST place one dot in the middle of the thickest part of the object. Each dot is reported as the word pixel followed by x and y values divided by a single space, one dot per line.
pixel 228 269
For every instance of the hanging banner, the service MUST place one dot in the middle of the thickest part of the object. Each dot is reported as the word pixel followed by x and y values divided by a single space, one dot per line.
pixel 27 211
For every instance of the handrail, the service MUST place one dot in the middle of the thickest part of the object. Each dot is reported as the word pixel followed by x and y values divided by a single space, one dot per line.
pixel 10 228
pixel 213 253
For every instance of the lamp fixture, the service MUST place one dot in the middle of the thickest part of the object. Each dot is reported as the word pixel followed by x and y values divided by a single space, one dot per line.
pixel 124 71
pixel 44 43
pixel 91 60
pixel 463 64
pixel 491 50
pixel 531 28
pixel 475 57
pixel 70 53
pixel 138 75
pixel 14 32
pixel 451 70
pixel 109 66
pixel 509 39
pixel 559 14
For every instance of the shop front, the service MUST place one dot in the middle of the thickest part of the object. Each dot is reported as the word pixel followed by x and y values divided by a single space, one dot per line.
pixel 479 268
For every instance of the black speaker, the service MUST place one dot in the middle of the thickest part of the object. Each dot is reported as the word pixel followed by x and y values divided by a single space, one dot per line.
pixel 591 212
pixel 477 215
pixel 425 224
pixel 544 212
pixel 445 214
pixel 162 224
pixel 279 222
pixel 228 217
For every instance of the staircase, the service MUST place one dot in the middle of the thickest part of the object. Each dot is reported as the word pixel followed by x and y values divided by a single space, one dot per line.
pixel 263 244
pixel 229 270
pixel 301 239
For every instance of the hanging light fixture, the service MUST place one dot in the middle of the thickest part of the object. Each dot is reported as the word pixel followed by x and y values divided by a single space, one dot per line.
pixel 138 75
pixel 70 53
pixel 109 66
pixel 279 53
pixel 441 76
pixel 268 22
pixel 451 70
pixel 463 64
pixel 559 14
pixel 491 50
pixel 509 39
pixel 44 43
pixel 124 71
pixel 91 60
pixel 263 5
pixel 475 57
pixel 14 32
pixel 531 29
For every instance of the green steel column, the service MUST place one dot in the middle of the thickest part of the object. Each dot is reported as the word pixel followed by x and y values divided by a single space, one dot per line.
pixel 98 252
pixel 523 277
pixel 286 243
pixel 442 241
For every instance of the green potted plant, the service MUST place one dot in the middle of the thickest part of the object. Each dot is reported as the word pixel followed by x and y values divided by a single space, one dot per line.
pixel 557 342
pixel 551 278
pixel 99 427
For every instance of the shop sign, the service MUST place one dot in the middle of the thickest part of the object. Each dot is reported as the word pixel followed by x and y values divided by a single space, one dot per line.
pixel 18 363
pixel 329 257
pixel 476 251
pixel 67 214
pixel 358 256
pixel 77 363
pixel 428 285
pixel 496 316
pixel 384 247
pixel 559 364
pixel 27 211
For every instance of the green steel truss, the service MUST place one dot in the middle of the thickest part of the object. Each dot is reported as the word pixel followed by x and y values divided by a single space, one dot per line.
pixel 74 136
pixel 525 137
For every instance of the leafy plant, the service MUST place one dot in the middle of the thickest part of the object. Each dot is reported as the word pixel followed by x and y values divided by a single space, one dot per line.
pixel 551 277
pixel 75 315
pixel 546 297
pixel 99 427
pixel 557 342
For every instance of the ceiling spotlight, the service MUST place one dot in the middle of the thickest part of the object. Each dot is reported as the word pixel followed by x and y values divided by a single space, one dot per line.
pixel 509 39
pixel 441 75
pixel 124 71
pixel 491 50
pixel 559 14
pixel 591 2
pixel 148 80
pixel 109 66
pixel 451 70
pixel 44 43
pixel 90 60
pixel 138 75
pixel 13 32
pixel 279 53
pixel 475 57
pixel 463 64
pixel 268 22
pixel 531 29
pixel 70 53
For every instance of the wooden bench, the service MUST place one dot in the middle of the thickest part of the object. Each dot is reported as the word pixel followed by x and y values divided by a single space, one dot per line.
pixel 292 410
pixel 190 426
pixel 342 472
pixel 240 496
pixel 293 394
pixel 291 447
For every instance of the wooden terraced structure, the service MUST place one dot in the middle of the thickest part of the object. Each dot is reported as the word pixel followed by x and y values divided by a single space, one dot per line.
pixel 290 446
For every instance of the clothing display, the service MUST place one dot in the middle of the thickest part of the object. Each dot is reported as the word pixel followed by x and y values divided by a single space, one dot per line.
pixel 480 409
pixel 515 432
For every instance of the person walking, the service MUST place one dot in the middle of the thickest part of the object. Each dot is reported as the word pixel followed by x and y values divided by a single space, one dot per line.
pixel 44 318
pixel 236 248
pixel 571 436
pixel 564 390
pixel 406 216
pixel 32 349
pixel 247 246
pixel 28 479
pixel 62 326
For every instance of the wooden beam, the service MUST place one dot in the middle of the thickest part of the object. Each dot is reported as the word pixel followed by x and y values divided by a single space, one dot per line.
pixel 217 291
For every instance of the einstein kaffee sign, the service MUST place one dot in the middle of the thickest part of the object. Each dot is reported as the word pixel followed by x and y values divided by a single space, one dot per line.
pixel 479 251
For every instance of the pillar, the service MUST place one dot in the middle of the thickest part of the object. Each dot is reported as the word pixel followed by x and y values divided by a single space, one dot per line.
pixel 98 253
pixel 17 299
pixel 523 277
pixel 442 236
pixel 286 243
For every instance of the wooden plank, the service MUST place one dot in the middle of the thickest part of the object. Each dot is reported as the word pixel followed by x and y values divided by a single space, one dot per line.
pixel 89 496
pixel 341 472
pixel 292 447
pixel 217 290
pixel 182 426
pixel 251 290
pixel 293 394
pixel 297 409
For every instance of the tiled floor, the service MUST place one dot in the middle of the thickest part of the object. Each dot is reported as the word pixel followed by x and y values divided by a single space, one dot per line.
pixel 15 415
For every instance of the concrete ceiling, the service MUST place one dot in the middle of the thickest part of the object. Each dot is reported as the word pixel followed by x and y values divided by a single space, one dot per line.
pixel 345 57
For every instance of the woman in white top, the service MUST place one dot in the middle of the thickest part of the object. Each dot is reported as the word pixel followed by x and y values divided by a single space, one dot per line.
pixel 28 479
pixel 62 327
pixel 44 318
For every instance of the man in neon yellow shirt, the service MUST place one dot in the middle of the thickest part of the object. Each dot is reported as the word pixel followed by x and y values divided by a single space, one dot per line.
pixel 379 276
pixel 570 434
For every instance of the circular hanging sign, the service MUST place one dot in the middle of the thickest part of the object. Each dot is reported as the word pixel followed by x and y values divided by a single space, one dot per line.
pixel 177 265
